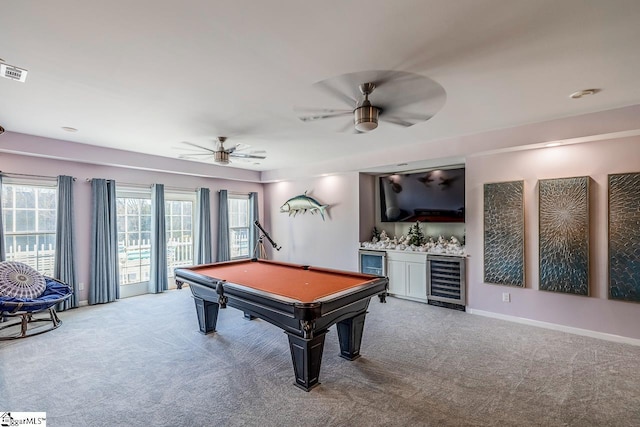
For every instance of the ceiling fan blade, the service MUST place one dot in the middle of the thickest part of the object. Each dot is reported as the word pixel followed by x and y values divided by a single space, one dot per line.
pixel 336 93
pixel 232 149
pixel 398 121
pixel 315 110
pixel 199 146
pixel 325 116
pixel 394 76
pixel 241 147
pixel 246 156
pixel 422 94
pixel 414 117
pixel 191 157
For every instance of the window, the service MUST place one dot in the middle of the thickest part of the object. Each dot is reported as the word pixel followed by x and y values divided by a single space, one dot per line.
pixel 29 216
pixel 179 225
pixel 134 236
pixel 239 226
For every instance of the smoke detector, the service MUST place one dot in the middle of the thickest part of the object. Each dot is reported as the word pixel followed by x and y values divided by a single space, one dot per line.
pixel 12 72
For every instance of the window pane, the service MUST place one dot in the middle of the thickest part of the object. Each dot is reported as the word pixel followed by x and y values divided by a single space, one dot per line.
pixel 145 207
pixel 132 223
pixel 25 220
pixel 7 196
pixel 133 206
pixel 239 242
pixel 176 223
pixel 25 197
pixel 7 219
pixel 47 220
pixel 145 223
pixel 46 198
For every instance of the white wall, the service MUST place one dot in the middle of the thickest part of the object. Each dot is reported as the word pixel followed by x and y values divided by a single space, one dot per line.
pixel 10 163
pixel 306 238
pixel 597 159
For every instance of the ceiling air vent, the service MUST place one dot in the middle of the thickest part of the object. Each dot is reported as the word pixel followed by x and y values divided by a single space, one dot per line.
pixel 14 73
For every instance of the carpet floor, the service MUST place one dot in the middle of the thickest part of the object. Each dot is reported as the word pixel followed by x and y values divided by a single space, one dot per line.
pixel 142 362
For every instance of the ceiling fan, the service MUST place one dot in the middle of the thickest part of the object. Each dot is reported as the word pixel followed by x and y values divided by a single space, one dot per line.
pixel 401 98
pixel 221 155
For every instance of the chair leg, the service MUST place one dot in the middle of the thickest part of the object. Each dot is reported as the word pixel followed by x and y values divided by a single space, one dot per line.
pixel 26 318
pixel 54 317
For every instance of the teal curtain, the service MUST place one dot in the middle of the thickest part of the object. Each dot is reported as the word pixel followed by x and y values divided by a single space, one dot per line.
pixel 224 251
pixel 104 287
pixel 203 224
pixel 254 233
pixel 158 281
pixel 3 254
pixel 64 268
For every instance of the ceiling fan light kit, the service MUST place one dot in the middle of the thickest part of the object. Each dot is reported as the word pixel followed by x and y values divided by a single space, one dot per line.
pixel 366 118
pixel 366 115
pixel 221 157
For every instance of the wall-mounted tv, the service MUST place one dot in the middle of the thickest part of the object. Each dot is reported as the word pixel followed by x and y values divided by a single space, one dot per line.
pixel 430 196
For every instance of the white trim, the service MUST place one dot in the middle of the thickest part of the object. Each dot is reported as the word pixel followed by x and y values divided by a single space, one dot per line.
pixel 84 303
pixel 557 327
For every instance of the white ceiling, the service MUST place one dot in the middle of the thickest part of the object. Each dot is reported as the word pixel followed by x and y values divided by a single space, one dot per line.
pixel 145 75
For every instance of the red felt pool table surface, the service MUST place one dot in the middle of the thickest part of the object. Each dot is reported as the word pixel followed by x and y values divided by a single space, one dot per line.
pixel 288 280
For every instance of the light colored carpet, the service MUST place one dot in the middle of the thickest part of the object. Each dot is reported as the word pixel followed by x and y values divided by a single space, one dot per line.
pixel 142 362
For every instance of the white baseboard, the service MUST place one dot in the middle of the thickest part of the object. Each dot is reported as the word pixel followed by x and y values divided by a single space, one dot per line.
pixel 556 327
pixel 83 303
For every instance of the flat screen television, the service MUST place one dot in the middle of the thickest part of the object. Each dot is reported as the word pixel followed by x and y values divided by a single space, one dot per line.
pixel 430 196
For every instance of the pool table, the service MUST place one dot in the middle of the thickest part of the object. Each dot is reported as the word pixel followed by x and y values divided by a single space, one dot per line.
pixel 304 301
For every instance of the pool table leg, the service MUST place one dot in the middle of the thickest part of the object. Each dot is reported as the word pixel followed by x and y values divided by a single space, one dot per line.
pixel 207 314
pixel 350 336
pixel 306 354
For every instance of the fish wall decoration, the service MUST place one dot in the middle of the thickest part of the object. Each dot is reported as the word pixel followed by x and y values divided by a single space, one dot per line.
pixel 303 203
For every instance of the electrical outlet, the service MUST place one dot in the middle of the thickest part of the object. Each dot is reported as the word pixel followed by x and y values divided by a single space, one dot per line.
pixel 80 286
pixel 506 297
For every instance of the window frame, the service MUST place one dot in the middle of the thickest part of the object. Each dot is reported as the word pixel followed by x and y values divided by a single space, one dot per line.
pixel 181 196
pixel 246 197
pixel 38 183
pixel 128 192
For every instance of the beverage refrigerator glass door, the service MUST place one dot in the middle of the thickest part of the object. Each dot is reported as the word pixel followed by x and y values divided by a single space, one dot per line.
pixel 373 262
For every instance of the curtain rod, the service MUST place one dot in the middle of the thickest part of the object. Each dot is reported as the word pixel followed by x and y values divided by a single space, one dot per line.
pixel 237 193
pixel 131 184
pixel 10 174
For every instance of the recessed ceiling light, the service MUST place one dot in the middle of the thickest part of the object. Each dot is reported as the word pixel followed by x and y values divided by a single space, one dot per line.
pixel 69 129
pixel 585 92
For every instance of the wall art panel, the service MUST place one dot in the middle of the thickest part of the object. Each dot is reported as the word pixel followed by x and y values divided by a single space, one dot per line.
pixel 564 235
pixel 624 237
pixel 504 233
